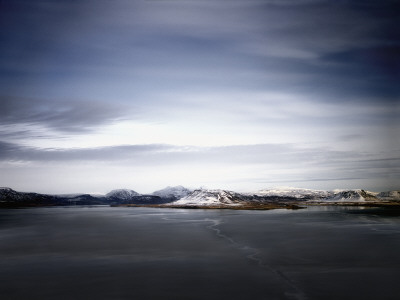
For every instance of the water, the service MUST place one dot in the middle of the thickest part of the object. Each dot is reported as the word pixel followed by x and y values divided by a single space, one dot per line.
pixel 150 253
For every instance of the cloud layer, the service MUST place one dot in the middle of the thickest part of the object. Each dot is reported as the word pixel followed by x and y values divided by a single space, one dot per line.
pixel 262 91
pixel 242 167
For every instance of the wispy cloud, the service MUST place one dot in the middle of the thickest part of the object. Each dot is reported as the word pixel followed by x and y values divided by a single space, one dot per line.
pixel 281 156
pixel 60 115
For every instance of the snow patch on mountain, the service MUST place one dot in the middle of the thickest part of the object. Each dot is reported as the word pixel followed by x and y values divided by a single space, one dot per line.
pixel 390 195
pixel 299 193
pixel 352 196
pixel 123 194
pixel 9 194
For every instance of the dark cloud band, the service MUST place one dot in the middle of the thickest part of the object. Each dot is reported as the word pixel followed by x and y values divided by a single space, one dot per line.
pixel 66 116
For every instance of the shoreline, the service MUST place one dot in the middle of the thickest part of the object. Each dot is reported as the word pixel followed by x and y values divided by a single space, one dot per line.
pixel 269 206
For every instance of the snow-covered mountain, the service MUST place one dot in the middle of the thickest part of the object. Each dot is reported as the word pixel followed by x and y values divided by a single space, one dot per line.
pixel 122 194
pixel 319 195
pixel 125 196
pixel 297 193
pixel 10 195
pixel 351 196
pixel 173 192
pixel 204 197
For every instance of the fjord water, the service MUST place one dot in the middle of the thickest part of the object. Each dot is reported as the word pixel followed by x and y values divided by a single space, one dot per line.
pixel 150 253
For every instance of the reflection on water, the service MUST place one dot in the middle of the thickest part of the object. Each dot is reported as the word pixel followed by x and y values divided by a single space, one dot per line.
pixel 144 253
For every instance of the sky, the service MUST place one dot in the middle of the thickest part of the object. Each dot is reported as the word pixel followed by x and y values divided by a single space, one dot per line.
pixel 239 95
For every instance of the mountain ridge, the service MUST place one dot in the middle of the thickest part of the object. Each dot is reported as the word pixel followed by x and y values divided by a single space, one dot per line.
pixel 181 196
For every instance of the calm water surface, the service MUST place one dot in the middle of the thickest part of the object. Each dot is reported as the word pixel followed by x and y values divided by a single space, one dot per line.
pixel 144 253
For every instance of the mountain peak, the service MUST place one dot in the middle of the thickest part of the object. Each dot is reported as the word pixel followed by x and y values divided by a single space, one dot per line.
pixel 3 188
pixel 173 192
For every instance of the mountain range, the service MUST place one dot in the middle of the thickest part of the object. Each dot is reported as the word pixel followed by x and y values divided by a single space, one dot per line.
pixel 180 196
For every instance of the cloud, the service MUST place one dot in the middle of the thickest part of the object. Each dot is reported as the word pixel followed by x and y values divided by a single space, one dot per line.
pixel 279 155
pixel 235 167
pixel 110 49
pixel 59 115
